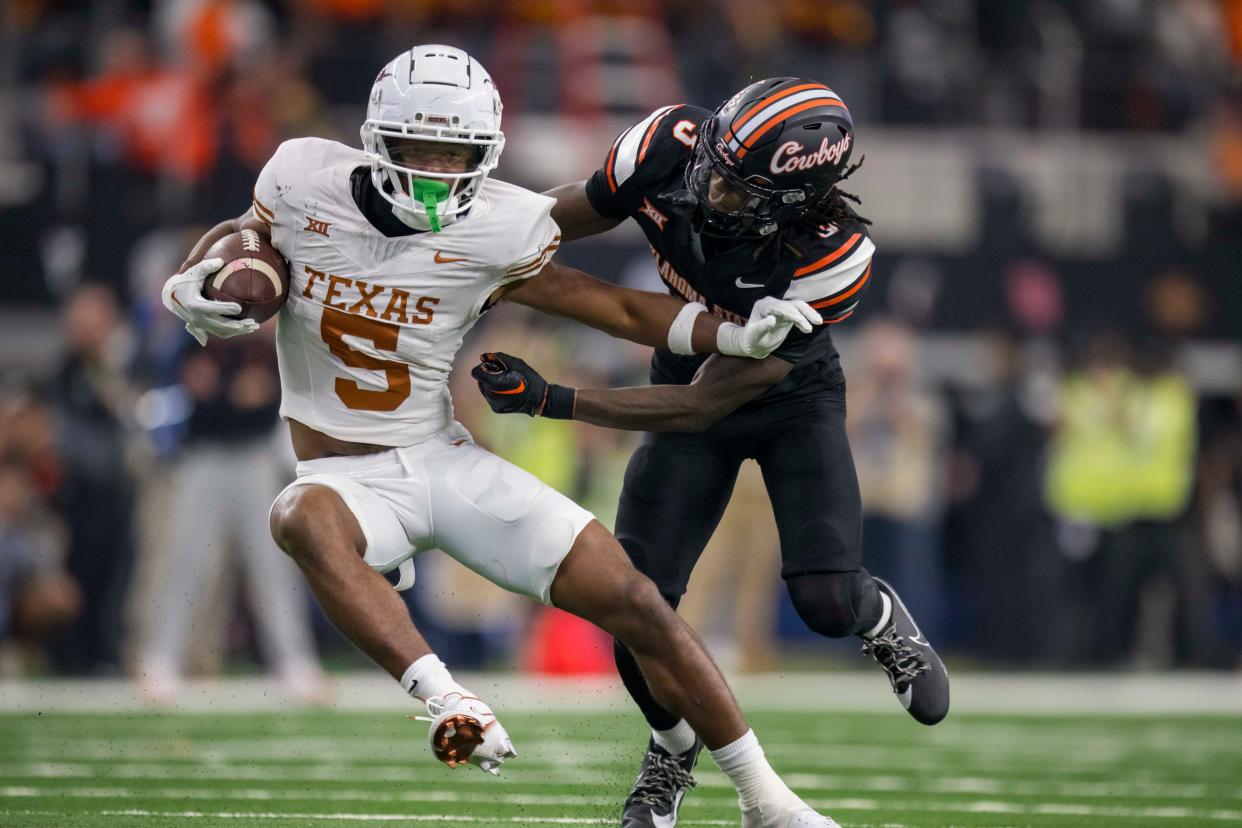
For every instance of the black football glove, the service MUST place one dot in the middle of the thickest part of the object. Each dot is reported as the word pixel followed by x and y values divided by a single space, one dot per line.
pixel 510 385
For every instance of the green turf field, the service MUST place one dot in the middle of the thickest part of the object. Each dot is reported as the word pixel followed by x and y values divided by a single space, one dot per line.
pixel 353 768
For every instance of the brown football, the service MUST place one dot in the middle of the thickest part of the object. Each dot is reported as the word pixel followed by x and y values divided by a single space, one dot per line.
pixel 254 275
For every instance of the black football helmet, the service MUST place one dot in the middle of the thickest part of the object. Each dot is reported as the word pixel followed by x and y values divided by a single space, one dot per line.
pixel 767 156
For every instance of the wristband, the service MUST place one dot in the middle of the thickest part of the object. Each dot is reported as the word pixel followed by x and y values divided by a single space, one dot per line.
pixel 681 332
pixel 729 339
pixel 559 402
pixel 429 677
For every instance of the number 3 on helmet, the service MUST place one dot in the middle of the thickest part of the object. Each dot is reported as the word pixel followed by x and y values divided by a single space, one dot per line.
pixel 439 94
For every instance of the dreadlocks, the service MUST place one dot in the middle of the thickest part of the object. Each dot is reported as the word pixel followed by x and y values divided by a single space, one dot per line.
pixel 833 208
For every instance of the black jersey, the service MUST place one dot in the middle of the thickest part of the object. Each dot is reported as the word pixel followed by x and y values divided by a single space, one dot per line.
pixel 829 267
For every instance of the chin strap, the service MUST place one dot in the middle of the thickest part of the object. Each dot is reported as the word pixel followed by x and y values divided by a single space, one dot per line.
pixel 430 193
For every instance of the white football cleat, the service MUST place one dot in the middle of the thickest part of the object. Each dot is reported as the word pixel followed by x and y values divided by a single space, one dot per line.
pixel 465 730
pixel 791 814
pixel 810 819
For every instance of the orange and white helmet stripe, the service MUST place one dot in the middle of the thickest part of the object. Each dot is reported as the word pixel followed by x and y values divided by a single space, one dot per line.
pixel 770 111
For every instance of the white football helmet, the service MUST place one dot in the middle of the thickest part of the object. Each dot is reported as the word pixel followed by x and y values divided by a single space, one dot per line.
pixel 432 93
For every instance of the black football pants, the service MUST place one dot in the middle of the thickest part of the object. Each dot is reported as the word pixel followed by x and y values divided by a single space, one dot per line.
pixel 676 489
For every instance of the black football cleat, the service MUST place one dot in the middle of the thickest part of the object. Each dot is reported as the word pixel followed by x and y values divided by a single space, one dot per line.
pixel 918 676
pixel 662 782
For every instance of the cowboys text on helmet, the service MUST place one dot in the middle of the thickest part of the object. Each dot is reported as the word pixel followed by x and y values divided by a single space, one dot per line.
pixel 786 158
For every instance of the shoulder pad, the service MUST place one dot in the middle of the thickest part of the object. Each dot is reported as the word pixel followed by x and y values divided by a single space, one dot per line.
pixel 832 274
pixel 661 139
pixel 518 227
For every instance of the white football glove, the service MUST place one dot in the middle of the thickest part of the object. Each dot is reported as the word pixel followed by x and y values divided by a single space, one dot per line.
pixel 183 295
pixel 770 322
pixel 464 729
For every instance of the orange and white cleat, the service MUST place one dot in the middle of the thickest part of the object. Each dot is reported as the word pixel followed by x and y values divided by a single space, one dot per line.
pixel 464 730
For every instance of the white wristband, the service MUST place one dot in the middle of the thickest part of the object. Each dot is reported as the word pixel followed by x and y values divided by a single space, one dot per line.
pixel 729 339
pixel 681 332
pixel 429 677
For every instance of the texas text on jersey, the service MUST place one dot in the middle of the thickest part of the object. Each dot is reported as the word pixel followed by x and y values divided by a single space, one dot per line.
pixel 359 357
pixel 828 266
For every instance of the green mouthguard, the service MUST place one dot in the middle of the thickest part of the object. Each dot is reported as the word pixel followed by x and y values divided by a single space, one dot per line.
pixel 430 193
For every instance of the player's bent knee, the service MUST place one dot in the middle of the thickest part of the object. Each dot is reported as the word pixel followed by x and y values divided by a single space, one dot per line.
pixel 640 612
pixel 830 603
pixel 302 521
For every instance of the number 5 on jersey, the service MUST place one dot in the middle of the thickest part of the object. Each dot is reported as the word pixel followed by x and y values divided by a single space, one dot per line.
pixel 334 326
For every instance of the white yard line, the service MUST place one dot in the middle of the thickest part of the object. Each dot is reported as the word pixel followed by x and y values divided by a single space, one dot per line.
pixel 711 790
pixel 889 783
pixel 538 758
pixel 269 795
pixel 1030 745
pixel 321 817
pixel 853 804
pixel 1123 781
pixel 1103 694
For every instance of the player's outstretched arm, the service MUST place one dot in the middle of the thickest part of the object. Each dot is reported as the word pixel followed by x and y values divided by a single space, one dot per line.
pixel 722 385
pixel 658 320
pixel 575 214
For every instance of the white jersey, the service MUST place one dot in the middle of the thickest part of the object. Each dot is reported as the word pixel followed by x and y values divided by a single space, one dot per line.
pixel 368 336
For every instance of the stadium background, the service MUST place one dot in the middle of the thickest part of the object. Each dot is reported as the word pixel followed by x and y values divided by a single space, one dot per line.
pixel 1045 379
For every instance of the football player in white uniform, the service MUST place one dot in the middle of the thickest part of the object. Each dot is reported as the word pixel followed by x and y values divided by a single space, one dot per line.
pixel 394 252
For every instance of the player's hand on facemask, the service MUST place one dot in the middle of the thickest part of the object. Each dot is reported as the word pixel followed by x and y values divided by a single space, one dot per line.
pixel 770 321
pixel 465 730
pixel 510 385
pixel 183 295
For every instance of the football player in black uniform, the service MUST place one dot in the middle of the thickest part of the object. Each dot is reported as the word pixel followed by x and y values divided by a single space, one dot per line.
pixel 738 204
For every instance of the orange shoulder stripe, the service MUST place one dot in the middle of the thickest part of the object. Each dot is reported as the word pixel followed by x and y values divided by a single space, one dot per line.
pixel 642 153
pixel 542 258
pixel 607 165
pixel 261 208
pixel 839 298
pixel 531 267
pixel 850 243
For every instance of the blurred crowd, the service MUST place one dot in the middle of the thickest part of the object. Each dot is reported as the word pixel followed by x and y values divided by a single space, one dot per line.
pixel 1074 499
pixel 137 116
pixel 1078 508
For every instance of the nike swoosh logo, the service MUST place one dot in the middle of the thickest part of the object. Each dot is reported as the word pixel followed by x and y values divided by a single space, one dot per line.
pixel 905 697
pixel 668 820
pixel 521 387
pixel 746 285
pixel 440 258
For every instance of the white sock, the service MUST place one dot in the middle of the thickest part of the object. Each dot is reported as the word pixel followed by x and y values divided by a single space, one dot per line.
pixel 677 740
pixel 429 677
pixel 748 769
pixel 885 615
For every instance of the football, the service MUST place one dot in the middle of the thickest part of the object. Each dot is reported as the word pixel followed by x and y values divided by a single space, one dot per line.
pixel 254 275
